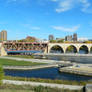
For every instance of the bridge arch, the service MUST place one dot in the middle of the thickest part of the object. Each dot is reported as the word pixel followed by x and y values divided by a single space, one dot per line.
pixel 91 50
pixel 84 49
pixel 56 49
pixel 71 49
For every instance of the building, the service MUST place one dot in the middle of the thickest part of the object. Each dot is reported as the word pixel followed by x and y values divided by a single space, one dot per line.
pixel 75 37
pixel 68 38
pixel 51 37
pixel 3 35
pixel 42 41
pixel 58 39
pixel 71 38
pixel 82 39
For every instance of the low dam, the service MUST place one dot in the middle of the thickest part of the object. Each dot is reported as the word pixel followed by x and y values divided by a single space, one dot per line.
pixel 79 70
pixel 78 58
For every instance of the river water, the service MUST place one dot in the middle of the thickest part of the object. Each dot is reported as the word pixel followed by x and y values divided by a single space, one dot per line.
pixel 49 73
pixel 46 73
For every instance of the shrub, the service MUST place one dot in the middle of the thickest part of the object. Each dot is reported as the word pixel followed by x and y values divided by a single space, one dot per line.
pixel 1 74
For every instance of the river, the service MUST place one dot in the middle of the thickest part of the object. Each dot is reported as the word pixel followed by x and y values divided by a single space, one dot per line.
pixel 46 73
pixel 50 73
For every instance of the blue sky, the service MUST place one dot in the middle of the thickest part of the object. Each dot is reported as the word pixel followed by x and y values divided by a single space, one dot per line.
pixel 40 18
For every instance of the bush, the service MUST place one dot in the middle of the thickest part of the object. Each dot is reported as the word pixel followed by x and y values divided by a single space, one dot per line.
pixel 1 74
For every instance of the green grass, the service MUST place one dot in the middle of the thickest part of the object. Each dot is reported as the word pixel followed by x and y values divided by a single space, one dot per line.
pixel 28 88
pixel 66 82
pixel 22 56
pixel 14 90
pixel 8 62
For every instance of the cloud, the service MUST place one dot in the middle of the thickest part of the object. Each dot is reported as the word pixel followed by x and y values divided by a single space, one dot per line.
pixel 35 28
pixel 54 0
pixel 28 26
pixel 85 6
pixel 66 5
pixel 61 28
pixel 16 1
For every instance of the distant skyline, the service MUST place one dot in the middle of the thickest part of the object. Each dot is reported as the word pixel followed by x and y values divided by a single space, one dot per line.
pixel 40 18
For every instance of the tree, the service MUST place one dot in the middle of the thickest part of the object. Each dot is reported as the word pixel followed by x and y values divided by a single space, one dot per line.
pixel 70 49
pixel 60 41
pixel 88 42
pixel 52 41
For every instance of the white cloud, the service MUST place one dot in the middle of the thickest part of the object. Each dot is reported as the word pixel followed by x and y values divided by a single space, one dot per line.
pixel 61 28
pixel 85 5
pixel 35 28
pixel 54 0
pixel 28 26
pixel 15 1
pixel 65 5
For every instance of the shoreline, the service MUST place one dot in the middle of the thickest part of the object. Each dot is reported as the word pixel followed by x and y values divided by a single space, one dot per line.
pixel 28 67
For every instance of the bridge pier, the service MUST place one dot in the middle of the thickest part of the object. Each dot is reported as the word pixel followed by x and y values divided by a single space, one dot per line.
pixel 88 50
pixel 2 50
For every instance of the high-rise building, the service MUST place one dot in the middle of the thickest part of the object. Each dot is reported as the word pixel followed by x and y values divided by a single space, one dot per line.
pixel 51 37
pixel 68 38
pixel 3 35
pixel 71 38
pixel 75 37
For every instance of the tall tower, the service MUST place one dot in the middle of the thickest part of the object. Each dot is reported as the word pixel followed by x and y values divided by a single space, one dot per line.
pixel 3 35
pixel 75 37
pixel 51 37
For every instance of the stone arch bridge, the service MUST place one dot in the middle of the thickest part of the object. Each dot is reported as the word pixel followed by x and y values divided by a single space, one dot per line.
pixel 64 46
pixel 46 47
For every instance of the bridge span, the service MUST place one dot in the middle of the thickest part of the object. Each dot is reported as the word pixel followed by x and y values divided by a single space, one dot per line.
pixel 65 47
pixel 46 47
pixel 18 46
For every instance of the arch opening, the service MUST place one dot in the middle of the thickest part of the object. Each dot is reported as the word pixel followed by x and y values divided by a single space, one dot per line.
pixel 91 50
pixel 56 49
pixel 83 50
pixel 71 49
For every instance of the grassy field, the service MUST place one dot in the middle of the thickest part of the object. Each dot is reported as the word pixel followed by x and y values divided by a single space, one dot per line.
pixel 22 56
pixel 8 62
